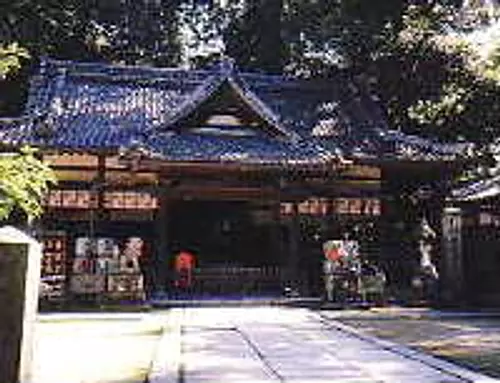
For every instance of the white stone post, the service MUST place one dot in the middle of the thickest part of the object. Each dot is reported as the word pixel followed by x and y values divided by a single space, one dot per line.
pixel 452 256
pixel 20 263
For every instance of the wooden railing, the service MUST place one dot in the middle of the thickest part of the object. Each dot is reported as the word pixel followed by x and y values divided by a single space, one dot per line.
pixel 237 280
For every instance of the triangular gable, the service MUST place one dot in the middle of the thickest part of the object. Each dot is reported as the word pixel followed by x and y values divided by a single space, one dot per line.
pixel 200 108
pixel 226 123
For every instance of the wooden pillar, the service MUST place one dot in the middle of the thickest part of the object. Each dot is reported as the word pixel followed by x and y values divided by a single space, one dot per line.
pixel 101 182
pixel 98 216
pixel 292 263
pixel 452 279
pixel 161 255
pixel 98 193
pixel 278 241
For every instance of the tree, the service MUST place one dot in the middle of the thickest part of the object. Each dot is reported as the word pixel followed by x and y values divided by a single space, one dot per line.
pixel 255 38
pixel 323 35
pixel 11 57
pixel 131 32
pixel 431 83
pixel 115 30
pixel 23 182
pixel 50 27
pixel 24 179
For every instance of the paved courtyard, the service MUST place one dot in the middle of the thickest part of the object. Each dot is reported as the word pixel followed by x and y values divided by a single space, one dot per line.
pixel 213 344
pixel 286 345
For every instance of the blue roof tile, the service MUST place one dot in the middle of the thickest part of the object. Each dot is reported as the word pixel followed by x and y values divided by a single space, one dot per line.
pixel 478 190
pixel 263 150
pixel 76 105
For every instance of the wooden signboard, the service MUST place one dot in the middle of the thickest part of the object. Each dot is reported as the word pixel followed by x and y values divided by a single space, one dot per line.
pixel 86 199
pixel 338 206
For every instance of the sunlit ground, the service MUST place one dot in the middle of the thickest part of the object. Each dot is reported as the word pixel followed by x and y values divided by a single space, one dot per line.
pixel 95 349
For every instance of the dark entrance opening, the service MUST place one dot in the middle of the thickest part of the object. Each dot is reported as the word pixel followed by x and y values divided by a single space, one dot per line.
pixel 234 244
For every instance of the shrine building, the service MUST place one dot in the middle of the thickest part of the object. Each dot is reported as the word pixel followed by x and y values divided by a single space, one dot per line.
pixel 477 203
pixel 249 172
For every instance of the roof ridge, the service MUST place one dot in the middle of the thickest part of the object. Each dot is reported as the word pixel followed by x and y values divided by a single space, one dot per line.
pixel 107 70
pixel 79 67
pixel 222 66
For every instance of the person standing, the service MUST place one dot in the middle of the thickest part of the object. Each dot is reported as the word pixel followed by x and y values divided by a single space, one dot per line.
pixel 184 265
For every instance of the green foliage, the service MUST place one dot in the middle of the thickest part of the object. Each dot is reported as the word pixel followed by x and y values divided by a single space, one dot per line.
pixel 132 32
pixel 23 181
pixel 202 28
pixel 492 66
pixel 256 38
pixel 44 27
pixel 10 59
pixel 422 73
pixel 424 78
pixel 347 33
pixel 450 103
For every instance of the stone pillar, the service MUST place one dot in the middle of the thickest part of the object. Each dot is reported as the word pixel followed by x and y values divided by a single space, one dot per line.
pixel 20 260
pixel 452 278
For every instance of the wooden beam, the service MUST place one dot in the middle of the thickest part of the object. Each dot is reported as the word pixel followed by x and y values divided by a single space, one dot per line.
pixel 205 192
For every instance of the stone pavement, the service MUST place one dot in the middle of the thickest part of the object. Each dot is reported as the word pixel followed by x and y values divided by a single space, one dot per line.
pixel 470 338
pixel 272 344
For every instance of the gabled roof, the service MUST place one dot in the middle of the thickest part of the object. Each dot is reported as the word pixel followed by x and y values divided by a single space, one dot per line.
pixel 95 106
pixel 227 77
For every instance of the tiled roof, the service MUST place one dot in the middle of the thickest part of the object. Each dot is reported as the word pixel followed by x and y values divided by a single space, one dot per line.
pixel 257 150
pixel 478 190
pixel 96 106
